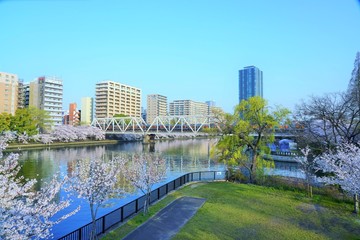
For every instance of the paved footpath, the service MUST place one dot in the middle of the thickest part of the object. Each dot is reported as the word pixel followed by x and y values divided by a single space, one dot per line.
pixel 168 221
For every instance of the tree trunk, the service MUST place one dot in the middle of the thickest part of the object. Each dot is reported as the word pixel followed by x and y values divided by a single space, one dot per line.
pixel 253 167
pixel 309 190
pixel 93 235
pixel 147 203
pixel 356 204
pixel 309 187
pixel 250 176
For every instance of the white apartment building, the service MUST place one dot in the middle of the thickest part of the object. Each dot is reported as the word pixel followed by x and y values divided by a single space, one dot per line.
pixel 156 106
pixel 46 93
pixel 116 98
pixel 8 92
pixel 87 110
pixel 187 108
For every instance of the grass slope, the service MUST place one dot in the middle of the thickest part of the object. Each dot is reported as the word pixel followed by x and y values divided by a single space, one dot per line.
pixel 241 211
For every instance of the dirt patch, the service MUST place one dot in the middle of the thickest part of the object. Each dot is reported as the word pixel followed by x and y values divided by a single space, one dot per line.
pixel 194 185
pixel 328 222
pixel 309 208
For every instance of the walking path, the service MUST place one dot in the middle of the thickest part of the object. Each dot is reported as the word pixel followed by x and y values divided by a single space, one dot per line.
pixel 168 221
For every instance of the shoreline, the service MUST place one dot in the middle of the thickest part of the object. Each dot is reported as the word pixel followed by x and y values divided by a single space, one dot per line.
pixel 30 146
pixel 110 141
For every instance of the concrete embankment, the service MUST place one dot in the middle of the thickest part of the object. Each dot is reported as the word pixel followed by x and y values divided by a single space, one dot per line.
pixel 17 147
pixel 280 158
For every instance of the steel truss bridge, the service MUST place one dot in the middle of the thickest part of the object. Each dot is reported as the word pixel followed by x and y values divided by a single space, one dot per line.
pixel 160 125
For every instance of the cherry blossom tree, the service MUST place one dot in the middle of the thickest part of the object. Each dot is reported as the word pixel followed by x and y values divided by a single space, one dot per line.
pixel 46 139
pixel 64 134
pixel 94 180
pixel 95 133
pixel 143 171
pixel 342 167
pixel 68 133
pixel 80 132
pixel 9 136
pixel 308 168
pixel 24 213
pixel 23 138
pixel 35 138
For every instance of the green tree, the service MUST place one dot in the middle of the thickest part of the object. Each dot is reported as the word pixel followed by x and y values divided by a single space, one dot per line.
pixel 5 121
pixel 30 120
pixel 120 115
pixel 41 119
pixel 223 120
pixel 253 129
pixel 23 122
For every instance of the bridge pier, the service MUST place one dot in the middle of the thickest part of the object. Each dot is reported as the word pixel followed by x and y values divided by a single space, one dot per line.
pixel 149 138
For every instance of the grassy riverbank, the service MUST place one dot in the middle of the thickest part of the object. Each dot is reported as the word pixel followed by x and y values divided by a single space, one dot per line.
pixel 245 211
pixel 17 146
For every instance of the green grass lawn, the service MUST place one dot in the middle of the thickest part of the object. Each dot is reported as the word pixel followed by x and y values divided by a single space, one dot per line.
pixel 244 211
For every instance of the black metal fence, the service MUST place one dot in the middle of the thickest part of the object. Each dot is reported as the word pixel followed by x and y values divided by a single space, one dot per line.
pixel 126 211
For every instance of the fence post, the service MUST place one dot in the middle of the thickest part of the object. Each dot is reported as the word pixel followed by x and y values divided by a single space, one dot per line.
pixel 214 176
pixel 199 176
pixel 158 193
pixel 103 224
pixel 122 214
pixel 174 183
pixel 167 189
pixel 80 233
pixel 137 205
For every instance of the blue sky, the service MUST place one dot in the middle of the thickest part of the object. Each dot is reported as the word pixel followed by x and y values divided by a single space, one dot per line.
pixel 190 49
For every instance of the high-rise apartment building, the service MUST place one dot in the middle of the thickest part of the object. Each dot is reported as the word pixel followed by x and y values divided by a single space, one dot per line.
pixel 212 107
pixel 187 108
pixel 250 83
pixel 156 106
pixel 8 92
pixel 21 94
pixel 211 103
pixel 116 98
pixel 87 110
pixel 143 113
pixel 26 94
pixel 74 115
pixel 46 93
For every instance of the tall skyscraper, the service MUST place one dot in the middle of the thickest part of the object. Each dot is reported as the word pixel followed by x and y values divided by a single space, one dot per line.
pixel 116 98
pixel 46 93
pixel 354 84
pixel 156 106
pixel 87 110
pixel 8 92
pixel 250 83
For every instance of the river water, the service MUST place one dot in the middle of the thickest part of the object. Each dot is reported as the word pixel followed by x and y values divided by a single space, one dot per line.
pixel 182 156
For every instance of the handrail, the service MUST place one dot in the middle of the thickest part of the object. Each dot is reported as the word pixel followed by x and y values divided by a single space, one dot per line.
pixel 124 212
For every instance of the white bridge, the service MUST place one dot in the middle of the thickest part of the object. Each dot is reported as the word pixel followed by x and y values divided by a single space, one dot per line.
pixel 161 124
